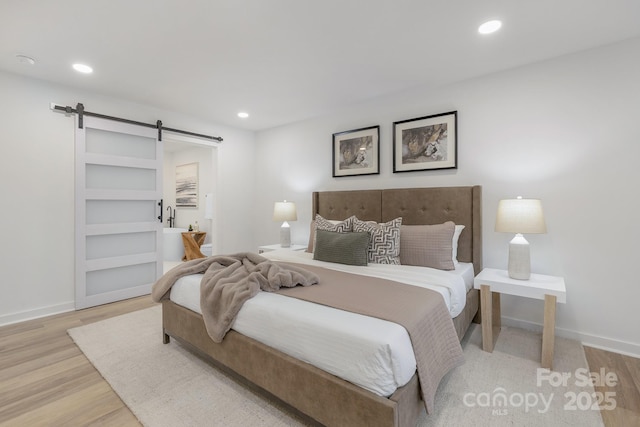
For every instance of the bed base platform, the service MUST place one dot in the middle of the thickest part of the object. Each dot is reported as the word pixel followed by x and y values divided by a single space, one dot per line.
pixel 312 393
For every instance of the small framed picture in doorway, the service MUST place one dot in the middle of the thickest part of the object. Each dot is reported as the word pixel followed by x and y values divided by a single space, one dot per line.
pixel 187 186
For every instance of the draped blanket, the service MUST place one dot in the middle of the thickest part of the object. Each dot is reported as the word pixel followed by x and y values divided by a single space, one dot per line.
pixel 422 312
pixel 229 281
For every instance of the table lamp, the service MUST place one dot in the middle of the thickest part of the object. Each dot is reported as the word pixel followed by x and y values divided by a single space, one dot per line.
pixel 520 216
pixel 285 211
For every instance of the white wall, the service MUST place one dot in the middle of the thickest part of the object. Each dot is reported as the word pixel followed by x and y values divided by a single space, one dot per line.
pixel 37 181
pixel 564 131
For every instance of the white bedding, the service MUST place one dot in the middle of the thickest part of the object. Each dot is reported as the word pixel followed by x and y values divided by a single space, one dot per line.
pixel 371 353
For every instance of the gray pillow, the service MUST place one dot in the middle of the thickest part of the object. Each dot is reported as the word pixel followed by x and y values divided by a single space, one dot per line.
pixel 330 225
pixel 343 248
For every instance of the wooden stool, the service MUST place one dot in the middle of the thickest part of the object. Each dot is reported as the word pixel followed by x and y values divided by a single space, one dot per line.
pixel 192 241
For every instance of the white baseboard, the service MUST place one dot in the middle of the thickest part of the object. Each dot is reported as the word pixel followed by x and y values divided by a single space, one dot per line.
pixel 8 319
pixel 616 346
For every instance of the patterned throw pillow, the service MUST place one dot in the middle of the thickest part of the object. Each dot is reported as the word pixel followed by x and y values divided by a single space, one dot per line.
pixel 328 225
pixel 384 246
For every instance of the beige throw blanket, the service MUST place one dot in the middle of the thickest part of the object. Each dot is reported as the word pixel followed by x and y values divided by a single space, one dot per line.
pixel 422 312
pixel 229 281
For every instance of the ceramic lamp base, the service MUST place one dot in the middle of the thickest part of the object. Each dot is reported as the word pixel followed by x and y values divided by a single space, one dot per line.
pixel 519 258
pixel 285 235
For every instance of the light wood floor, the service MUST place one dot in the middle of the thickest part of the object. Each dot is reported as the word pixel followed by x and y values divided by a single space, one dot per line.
pixel 45 380
pixel 627 389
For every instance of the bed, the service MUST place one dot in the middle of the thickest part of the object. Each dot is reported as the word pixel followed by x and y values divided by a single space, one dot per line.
pixel 308 389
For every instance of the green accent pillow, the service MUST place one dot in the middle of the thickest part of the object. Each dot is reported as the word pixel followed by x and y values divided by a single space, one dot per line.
pixel 342 248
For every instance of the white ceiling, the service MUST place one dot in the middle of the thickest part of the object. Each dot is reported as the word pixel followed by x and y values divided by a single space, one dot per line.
pixel 287 60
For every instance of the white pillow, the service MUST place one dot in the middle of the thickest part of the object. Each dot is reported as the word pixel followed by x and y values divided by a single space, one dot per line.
pixel 454 243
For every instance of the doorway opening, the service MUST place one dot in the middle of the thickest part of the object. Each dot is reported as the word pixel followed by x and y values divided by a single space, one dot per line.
pixel 179 151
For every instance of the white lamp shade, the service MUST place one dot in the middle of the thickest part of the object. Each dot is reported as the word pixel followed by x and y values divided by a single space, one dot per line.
pixel 285 211
pixel 520 215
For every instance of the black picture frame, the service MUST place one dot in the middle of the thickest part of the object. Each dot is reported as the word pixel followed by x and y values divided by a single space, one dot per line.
pixel 426 143
pixel 356 152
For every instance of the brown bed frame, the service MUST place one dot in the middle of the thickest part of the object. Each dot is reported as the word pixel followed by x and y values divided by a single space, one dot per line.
pixel 312 393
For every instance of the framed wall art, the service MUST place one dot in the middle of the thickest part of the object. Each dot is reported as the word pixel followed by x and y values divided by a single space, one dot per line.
pixel 425 143
pixel 356 152
pixel 187 186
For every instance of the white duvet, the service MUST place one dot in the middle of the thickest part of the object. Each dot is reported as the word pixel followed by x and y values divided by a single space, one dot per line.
pixel 371 353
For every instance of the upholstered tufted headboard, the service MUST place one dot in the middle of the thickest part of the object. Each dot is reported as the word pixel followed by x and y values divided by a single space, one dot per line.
pixel 416 206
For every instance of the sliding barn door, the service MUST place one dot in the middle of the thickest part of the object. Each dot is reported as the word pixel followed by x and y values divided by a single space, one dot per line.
pixel 118 190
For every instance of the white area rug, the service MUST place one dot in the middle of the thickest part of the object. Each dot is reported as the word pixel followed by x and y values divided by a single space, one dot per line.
pixel 166 385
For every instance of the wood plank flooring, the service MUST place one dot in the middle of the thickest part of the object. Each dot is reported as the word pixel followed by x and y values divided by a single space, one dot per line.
pixel 627 388
pixel 45 380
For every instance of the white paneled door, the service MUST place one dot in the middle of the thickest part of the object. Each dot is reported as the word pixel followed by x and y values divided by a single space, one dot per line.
pixel 118 190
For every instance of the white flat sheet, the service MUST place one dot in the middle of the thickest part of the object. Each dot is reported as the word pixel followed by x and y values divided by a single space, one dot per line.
pixel 371 353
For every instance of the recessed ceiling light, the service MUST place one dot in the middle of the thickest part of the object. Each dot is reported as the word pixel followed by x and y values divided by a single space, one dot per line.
pixel 243 115
pixel 82 68
pixel 25 59
pixel 489 27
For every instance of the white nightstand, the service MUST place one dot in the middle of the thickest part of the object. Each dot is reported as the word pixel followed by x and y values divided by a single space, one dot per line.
pixel 493 282
pixel 269 248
